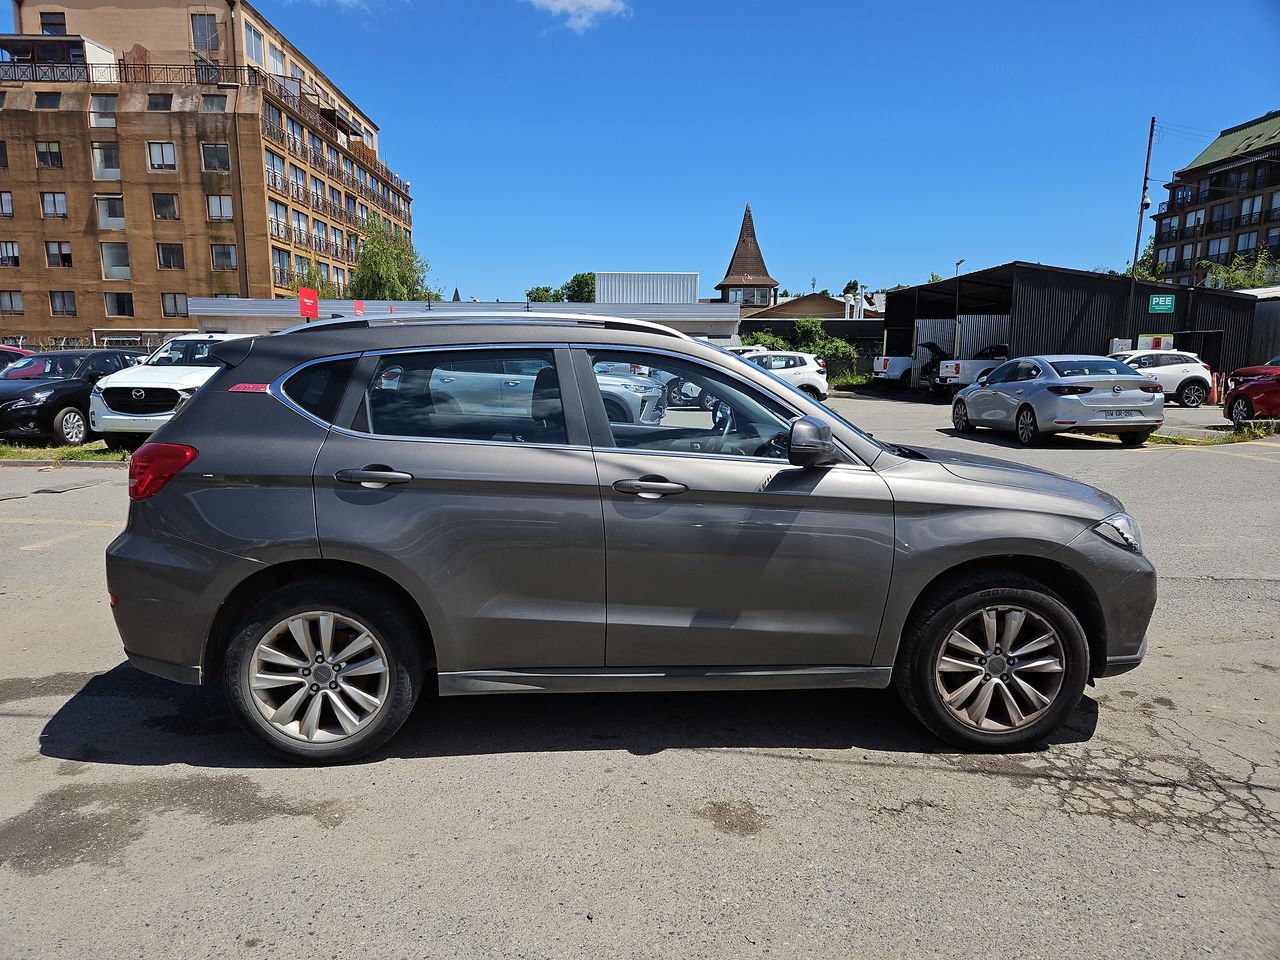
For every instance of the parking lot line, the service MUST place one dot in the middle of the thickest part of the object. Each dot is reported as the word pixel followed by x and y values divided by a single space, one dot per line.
pixel 50 522
pixel 54 541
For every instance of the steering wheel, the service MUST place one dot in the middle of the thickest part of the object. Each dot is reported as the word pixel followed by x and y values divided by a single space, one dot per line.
pixel 775 447
pixel 722 412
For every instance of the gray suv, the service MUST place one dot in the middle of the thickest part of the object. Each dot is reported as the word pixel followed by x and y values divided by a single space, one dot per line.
pixel 331 531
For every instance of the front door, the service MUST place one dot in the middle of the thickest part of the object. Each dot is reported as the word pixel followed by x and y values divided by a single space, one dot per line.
pixel 983 402
pixel 480 500
pixel 719 552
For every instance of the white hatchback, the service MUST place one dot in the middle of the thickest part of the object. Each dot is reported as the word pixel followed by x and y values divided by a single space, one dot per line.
pixel 803 370
pixel 1184 376
pixel 127 407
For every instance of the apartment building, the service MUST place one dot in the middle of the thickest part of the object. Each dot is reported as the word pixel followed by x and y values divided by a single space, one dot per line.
pixel 1225 203
pixel 150 154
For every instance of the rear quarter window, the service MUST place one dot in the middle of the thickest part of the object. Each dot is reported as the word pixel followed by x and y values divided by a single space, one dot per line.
pixel 319 388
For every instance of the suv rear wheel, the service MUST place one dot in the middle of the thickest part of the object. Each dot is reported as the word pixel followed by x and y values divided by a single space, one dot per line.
pixel 324 671
pixel 994 662
pixel 1193 393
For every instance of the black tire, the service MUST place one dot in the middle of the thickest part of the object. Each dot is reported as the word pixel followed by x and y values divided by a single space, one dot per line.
pixel 1241 410
pixel 1025 428
pixel 960 417
pixel 403 648
pixel 707 400
pixel 904 380
pixel 1193 393
pixel 675 392
pixel 71 427
pixel 929 627
pixel 615 411
pixel 124 441
pixel 812 392
pixel 1135 439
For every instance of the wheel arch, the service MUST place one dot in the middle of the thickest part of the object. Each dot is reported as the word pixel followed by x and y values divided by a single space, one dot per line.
pixel 1061 579
pixel 262 583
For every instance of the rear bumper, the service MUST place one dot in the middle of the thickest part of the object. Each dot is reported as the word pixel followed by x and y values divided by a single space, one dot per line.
pixel 1095 421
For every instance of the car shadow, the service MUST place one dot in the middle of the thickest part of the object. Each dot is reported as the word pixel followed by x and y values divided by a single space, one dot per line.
pixel 128 717
pixel 1055 441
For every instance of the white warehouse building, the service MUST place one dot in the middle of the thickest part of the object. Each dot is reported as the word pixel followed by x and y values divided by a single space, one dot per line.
pixel 647 287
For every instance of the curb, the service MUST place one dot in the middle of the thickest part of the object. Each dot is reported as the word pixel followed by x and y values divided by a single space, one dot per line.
pixel 109 464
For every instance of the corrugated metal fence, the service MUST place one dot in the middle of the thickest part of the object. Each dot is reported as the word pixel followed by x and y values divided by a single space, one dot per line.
pixel 976 333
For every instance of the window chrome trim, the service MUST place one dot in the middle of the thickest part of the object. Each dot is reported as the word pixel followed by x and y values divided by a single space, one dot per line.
pixel 276 387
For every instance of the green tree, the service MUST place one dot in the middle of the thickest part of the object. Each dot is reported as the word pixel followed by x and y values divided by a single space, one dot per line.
pixel 850 288
pixel 1148 268
pixel 785 292
pixel 764 338
pixel 1243 273
pixel 934 277
pixel 389 267
pixel 311 278
pixel 824 292
pixel 811 336
pixel 544 294
pixel 580 288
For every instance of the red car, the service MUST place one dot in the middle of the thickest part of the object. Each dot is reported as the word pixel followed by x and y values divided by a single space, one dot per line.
pixel 1253 392
pixel 10 355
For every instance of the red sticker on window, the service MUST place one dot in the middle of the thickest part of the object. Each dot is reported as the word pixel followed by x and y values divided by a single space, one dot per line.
pixel 249 388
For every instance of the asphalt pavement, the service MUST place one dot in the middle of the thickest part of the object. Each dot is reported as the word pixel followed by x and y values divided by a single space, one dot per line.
pixel 136 821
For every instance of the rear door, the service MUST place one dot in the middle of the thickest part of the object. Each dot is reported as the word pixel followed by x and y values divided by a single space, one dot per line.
pixel 486 507
pixel 719 552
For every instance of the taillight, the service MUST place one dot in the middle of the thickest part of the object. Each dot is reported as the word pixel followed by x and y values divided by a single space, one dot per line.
pixel 822 364
pixel 1208 369
pixel 154 465
pixel 1069 390
pixel 1151 388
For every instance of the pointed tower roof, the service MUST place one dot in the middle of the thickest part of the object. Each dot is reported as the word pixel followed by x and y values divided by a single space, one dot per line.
pixel 747 268
pixel 457 297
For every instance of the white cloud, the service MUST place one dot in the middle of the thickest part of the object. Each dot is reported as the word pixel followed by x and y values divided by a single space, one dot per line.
pixel 580 15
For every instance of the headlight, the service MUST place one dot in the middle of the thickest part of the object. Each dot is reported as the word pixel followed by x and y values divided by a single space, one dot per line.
pixel 635 387
pixel 32 399
pixel 184 394
pixel 97 390
pixel 1122 530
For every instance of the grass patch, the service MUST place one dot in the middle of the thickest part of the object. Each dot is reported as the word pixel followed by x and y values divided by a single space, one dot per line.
pixel 96 451
pixel 1241 434
pixel 852 381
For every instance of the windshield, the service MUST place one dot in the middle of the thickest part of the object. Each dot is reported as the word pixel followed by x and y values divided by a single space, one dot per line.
pixel 1093 367
pixel 61 367
pixel 183 353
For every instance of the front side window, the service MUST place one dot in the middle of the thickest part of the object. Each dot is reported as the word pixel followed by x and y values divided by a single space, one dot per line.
pixel 666 404
pixel 165 206
pixel 1002 373
pixel 215 157
pixel 161 155
pixel 506 396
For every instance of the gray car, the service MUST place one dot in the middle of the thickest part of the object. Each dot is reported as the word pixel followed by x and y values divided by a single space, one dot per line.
pixel 331 548
pixel 1036 396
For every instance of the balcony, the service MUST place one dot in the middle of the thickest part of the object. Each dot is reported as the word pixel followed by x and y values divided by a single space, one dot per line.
pixel 1220 226
pixel 1192 230
pixel 1167 236
pixel 1249 219
pixel 1223 258
pixel 277 182
pixel 1184 265
pixel 273 132
pixel 283 277
pixel 1273 214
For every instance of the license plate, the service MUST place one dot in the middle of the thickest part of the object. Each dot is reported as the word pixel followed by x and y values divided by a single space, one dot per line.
pixel 1120 414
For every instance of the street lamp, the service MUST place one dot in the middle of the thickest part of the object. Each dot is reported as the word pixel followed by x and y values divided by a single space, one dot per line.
pixel 955 350
pixel 958 262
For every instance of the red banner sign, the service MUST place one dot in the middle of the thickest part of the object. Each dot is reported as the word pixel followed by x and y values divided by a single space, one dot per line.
pixel 359 307
pixel 308 303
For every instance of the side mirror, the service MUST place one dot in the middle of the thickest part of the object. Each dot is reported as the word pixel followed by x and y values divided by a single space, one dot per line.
pixel 95 376
pixel 982 381
pixel 810 443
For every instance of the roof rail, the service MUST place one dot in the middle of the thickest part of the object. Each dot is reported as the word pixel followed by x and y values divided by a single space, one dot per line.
pixel 480 317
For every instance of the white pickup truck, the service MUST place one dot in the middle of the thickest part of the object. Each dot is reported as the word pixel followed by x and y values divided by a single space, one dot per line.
pixel 954 374
pixel 897 369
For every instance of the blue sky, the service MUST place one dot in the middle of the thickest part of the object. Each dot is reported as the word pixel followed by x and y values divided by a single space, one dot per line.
pixel 874 140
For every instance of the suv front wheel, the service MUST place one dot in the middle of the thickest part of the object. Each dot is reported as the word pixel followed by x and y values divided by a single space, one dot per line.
pixel 324 671
pixel 995 662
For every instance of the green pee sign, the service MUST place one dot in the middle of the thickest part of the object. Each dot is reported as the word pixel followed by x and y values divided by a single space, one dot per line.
pixel 1160 303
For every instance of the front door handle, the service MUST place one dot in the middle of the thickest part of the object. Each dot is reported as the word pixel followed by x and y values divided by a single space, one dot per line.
pixel 650 488
pixel 513 383
pixel 373 477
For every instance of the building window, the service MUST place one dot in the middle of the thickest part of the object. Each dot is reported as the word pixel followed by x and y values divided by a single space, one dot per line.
pixel 110 212
pixel 224 256
pixel 170 256
pixel 160 101
pixel 1219 248
pixel 281 271
pixel 1273 240
pixel 62 303
pixel 4 153
pixel 11 302
pixel 9 253
pixel 1165 258
pixel 119 304
pixel 48 101
pixel 363 211
pixel 53 206
pixel 165 206
pixel 161 155
pixel 219 206
pixel 174 304
pixel 213 103
pixel 204 31
pixel 57 253
pixel 1220 217
pixel 115 262
pixel 253 43
pixel 276 63
pixel 102 110
pixel 215 157
pixel 6 204
pixel 1247 243
pixel 300 226
pixel 106 161
pixel 295 71
pixel 53 24
pixel 48 154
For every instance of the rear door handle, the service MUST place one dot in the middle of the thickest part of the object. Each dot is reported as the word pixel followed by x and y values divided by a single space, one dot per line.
pixel 650 489
pixel 373 478
pixel 513 383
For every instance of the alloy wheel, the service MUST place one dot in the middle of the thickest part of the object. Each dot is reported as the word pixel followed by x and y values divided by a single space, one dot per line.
pixel 1194 395
pixel 1000 668
pixel 319 677
pixel 73 426
pixel 1026 426
pixel 959 416
pixel 1240 410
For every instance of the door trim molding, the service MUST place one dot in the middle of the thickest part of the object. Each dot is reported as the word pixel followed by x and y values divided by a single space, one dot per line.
pixel 653 679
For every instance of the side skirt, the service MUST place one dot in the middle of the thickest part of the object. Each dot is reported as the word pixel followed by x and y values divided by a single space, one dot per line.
pixel 641 679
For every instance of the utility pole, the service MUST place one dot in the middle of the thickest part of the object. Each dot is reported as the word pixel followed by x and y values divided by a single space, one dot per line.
pixel 1144 204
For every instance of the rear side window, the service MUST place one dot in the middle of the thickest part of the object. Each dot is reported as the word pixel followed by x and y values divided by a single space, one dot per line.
pixel 318 389
pixel 505 396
